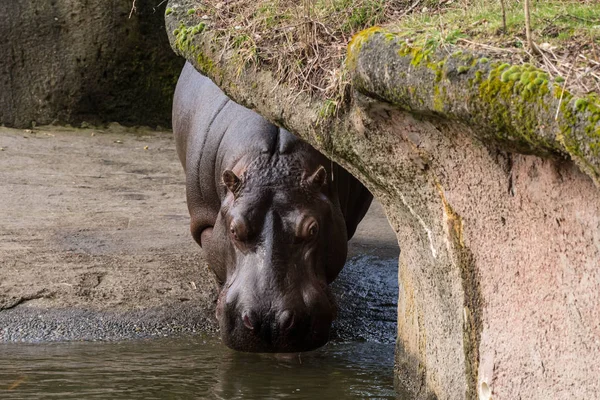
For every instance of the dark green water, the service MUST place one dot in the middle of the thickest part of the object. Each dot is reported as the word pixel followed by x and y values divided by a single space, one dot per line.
pixel 193 368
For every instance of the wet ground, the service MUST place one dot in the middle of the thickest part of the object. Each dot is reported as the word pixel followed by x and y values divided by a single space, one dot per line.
pixel 94 245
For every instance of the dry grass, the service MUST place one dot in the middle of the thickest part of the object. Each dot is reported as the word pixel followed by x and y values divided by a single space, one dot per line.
pixel 566 35
pixel 304 42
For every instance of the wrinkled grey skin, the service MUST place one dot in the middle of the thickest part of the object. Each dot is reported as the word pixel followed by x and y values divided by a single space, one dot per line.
pixel 272 222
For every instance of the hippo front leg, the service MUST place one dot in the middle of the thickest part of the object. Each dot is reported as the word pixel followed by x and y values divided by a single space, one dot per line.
pixel 206 235
pixel 212 243
pixel 198 229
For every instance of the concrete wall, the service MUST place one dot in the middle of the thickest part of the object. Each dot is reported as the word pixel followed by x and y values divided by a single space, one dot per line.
pixel 499 271
pixel 70 61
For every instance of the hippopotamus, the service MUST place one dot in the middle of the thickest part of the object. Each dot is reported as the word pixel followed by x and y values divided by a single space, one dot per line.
pixel 272 215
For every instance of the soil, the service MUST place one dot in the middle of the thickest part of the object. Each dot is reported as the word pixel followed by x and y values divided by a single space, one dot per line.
pixel 94 238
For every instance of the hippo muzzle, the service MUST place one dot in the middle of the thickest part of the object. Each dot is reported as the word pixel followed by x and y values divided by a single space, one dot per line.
pixel 257 318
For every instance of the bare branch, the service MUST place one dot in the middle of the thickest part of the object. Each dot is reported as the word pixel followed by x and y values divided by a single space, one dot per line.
pixel 504 29
pixel 132 9
pixel 530 42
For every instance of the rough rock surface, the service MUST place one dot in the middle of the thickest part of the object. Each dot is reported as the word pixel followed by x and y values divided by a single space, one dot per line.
pixel 73 61
pixel 499 272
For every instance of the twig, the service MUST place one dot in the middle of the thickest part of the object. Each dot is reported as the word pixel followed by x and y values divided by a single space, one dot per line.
pixel 589 59
pixel 156 6
pixel 409 9
pixel 548 62
pixel 503 17
pixel 132 9
pixel 593 21
pixel 487 46
pixel 587 90
pixel 324 28
pixel 530 42
pixel 562 93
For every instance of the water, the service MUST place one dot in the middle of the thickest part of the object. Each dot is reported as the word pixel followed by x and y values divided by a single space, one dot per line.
pixel 193 368
pixel 201 367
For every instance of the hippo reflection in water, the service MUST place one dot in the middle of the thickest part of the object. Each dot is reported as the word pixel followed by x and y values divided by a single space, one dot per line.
pixel 272 215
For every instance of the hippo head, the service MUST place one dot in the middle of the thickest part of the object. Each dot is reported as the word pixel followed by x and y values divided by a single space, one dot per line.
pixel 282 240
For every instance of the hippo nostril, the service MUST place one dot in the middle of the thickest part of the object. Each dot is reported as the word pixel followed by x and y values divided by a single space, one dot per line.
pixel 286 320
pixel 247 321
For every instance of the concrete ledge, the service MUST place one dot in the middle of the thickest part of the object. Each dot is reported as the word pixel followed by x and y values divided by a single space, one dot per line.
pixel 516 107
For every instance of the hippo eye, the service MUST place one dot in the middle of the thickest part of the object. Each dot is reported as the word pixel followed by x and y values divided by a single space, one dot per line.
pixel 306 230
pixel 238 231
pixel 313 229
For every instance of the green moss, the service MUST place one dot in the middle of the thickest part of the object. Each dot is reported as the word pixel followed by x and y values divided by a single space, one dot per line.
pixel 328 109
pixel 510 99
pixel 168 11
pixel 191 12
pixel 204 63
pixel 438 99
pixel 421 55
pixel 579 130
pixel 438 68
pixel 183 36
pixel 483 60
pixel 581 104
pixel 356 43
pixel 184 44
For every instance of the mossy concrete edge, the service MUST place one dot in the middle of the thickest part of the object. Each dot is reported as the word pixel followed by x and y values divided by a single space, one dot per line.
pixel 516 107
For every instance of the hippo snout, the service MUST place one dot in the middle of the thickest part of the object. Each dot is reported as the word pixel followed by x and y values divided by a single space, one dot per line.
pixel 261 326
pixel 283 322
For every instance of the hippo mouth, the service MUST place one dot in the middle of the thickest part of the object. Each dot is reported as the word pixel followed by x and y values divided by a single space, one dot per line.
pixel 289 330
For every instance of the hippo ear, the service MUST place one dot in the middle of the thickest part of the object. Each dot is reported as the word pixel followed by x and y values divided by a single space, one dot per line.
pixel 231 180
pixel 318 178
